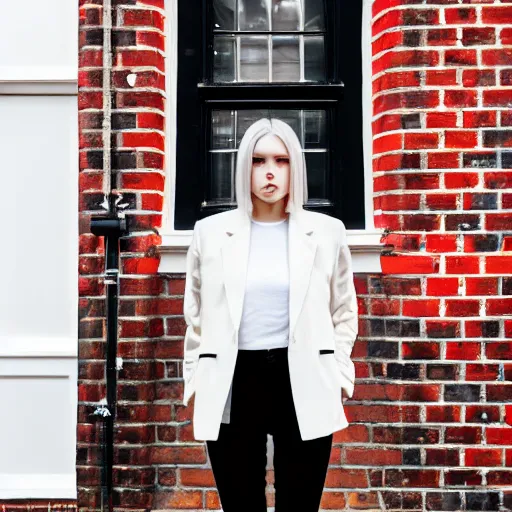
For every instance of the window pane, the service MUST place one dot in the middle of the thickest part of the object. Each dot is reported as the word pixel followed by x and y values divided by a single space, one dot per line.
pixel 254 66
pixel 314 58
pixel 316 164
pixel 223 129
pixel 253 14
pixel 315 129
pixel 291 117
pixel 224 14
pixel 245 118
pixel 286 15
pixel 285 59
pixel 314 18
pixel 221 177
pixel 224 59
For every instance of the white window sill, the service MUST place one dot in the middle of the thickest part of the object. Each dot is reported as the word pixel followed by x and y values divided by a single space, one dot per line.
pixel 365 246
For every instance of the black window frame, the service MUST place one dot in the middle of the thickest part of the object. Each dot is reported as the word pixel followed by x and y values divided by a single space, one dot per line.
pixel 340 95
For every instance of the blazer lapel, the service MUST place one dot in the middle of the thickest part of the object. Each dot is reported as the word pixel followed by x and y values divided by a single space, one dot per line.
pixel 235 256
pixel 301 256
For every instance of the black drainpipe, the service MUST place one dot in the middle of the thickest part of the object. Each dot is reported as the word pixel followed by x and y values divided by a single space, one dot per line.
pixel 112 227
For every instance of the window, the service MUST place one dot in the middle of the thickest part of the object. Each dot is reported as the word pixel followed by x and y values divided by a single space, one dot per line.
pixel 297 60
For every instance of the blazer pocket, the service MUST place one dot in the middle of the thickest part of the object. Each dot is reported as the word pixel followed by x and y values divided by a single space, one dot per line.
pixel 330 366
pixel 207 355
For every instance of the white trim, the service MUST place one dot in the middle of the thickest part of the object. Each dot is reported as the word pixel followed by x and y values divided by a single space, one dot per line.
pixel 23 486
pixel 39 81
pixel 38 346
pixel 367 113
pixel 365 244
pixel 171 84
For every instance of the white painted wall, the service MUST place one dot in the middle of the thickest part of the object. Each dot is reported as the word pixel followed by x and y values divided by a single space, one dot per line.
pixel 39 249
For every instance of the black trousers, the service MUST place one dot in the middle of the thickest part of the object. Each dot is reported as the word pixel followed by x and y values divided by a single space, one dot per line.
pixel 262 404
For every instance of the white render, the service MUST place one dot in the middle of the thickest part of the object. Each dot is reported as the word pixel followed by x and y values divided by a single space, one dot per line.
pixel 39 260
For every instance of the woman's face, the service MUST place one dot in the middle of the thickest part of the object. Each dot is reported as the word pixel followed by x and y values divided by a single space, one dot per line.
pixel 270 176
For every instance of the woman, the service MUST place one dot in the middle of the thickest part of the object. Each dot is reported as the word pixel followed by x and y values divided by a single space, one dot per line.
pixel 272 317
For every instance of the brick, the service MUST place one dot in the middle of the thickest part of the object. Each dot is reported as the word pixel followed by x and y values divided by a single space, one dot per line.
pixel 498 180
pixel 482 372
pixel 441 77
pixel 478 78
pixel 462 265
pixel 383 349
pixel 462 222
pixel 462 307
pixel 499 393
pixel 421 181
pixel 495 478
pixel 479 119
pixel 458 98
pixel 412 478
pixel 497 138
pixel 486 329
pixel 462 393
pixel 496 15
pixel 478 36
pixel 421 140
pixel 441 120
pixel 421 308
pixel 460 180
pixel 498 264
pixel 442 372
pixel 460 15
pixel 499 350
pixel 442 457
pixel 401 264
pixel 480 243
pixel 479 160
pixel 443 414
pixel 443 329
pixel 460 139
pixel 482 501
pixel 465 351
pixel 420 222
pixel 442 201
pixel 443 501
pixel 463 478
pixel 442 37
pixel 373 457
pixel 483 457
pixel 499 306
pixel 460 57
pixel 442 286
pixel 420 350
pixel 441 243
pixel 463 435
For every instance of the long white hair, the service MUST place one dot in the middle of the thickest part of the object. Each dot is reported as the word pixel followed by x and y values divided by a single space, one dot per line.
pixel 298 194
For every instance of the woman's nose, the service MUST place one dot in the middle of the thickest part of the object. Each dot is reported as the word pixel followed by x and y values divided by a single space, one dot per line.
pixel 269 175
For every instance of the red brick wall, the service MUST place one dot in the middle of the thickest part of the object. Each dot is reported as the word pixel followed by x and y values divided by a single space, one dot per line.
pixel 429 416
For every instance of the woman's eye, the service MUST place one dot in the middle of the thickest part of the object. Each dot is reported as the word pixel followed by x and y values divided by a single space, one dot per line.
pixel 283 160
pixel 258 160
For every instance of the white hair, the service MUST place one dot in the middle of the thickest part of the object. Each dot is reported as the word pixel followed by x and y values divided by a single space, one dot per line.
pixel 298 194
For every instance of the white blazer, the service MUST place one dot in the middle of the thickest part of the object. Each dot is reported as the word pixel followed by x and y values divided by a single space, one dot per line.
pixel 323 318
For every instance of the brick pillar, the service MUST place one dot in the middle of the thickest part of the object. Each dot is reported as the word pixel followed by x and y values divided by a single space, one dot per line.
pixel 431 401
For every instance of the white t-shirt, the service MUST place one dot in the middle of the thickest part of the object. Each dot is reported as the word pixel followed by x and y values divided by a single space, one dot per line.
pixel 265 315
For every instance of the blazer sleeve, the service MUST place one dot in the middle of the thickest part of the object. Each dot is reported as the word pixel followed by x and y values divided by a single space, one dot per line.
pixel 192 313
pixel 344 312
